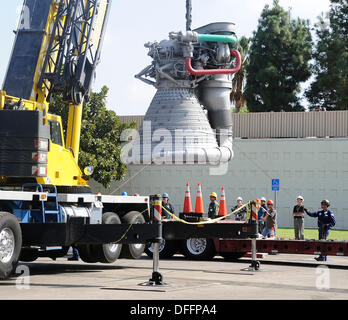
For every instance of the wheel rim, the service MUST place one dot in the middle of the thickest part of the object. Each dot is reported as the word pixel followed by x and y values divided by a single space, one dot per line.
pixel 112 247
pixel 160 247
pixel 137 246
pixel 7 245
pixel 196 246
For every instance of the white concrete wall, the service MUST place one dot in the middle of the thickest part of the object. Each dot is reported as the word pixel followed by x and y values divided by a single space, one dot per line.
pixel 314 168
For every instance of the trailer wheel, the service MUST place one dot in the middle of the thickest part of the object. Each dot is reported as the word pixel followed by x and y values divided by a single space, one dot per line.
pixel 232 256
pixel 10 244
pixel 109 252
pixel 87 253
pixel 198 249
pixel 167 249
pixel 134 250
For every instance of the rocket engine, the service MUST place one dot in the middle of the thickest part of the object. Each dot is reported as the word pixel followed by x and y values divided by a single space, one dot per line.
pixel 189 120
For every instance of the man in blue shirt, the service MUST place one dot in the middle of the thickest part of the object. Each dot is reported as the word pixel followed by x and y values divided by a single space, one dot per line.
pixel 169 207
pixel 326 220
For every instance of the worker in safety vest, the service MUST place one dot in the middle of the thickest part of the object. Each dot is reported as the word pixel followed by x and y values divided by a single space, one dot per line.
pixel 168 206
pixel 213 209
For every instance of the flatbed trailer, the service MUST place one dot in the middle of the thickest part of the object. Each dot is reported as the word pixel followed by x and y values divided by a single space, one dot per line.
pixel 197 242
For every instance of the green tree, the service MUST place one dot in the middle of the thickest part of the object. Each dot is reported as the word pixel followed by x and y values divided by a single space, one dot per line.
pixel 330 68
pixel 279 61
pixel 100 145
pixel 239 80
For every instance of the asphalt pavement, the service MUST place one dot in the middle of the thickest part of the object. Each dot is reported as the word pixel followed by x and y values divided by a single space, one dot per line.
pixel 280 277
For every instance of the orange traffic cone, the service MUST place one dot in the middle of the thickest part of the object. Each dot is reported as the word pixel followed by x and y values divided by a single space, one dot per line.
pixel 199 207
pixel 223 207
pixel 187 202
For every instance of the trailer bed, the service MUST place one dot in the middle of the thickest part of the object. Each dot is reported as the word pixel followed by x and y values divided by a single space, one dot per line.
pixel 312 247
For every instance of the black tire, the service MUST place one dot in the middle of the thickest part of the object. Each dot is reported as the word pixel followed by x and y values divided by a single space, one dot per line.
pixel 77 189
pixel 133 251
pixel 198 249
pixel 167 249
pixel 28 255
pixel 87 253
pixel 9 226
pixel 106 253
pixel 232 256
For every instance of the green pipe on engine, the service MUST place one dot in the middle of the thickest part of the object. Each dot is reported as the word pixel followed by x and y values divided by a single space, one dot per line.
pixel 217 38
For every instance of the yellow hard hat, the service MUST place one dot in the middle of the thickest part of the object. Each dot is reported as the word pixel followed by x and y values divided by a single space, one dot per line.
pixel 213 194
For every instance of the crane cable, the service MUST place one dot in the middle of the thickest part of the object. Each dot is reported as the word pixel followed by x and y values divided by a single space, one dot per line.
pixel 188 15
pixel 130 178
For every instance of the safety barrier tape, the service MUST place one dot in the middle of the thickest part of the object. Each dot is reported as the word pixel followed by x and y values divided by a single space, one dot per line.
pixel 207 221
pixel 210 221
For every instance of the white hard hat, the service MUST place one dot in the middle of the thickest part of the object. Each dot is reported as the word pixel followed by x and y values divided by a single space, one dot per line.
pixel 263 199
pixel 300 197
pixel 239 198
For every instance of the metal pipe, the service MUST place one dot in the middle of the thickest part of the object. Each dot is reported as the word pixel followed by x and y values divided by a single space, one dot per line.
pixel 217 38
pixel 74 130
pixel 253 249
pixel 202 72
pixel 156 257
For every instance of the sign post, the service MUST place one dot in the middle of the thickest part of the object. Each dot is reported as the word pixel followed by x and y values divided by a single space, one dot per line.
pixel 275 188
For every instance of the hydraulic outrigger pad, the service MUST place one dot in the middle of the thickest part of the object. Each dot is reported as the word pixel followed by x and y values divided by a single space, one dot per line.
pixel 156 278
pixel 255 265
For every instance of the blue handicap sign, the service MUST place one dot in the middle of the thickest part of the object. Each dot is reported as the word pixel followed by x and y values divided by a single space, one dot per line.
pixel 275 184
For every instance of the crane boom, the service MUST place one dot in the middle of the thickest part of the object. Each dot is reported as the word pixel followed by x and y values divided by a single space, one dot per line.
pixel 26 52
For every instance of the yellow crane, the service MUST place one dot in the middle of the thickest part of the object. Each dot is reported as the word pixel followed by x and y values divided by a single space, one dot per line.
pixel 56 50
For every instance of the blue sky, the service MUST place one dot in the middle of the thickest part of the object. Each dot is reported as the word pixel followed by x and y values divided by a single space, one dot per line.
pixel 135 22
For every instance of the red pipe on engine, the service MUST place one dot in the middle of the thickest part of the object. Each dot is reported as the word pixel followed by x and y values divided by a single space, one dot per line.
pixel 195 72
